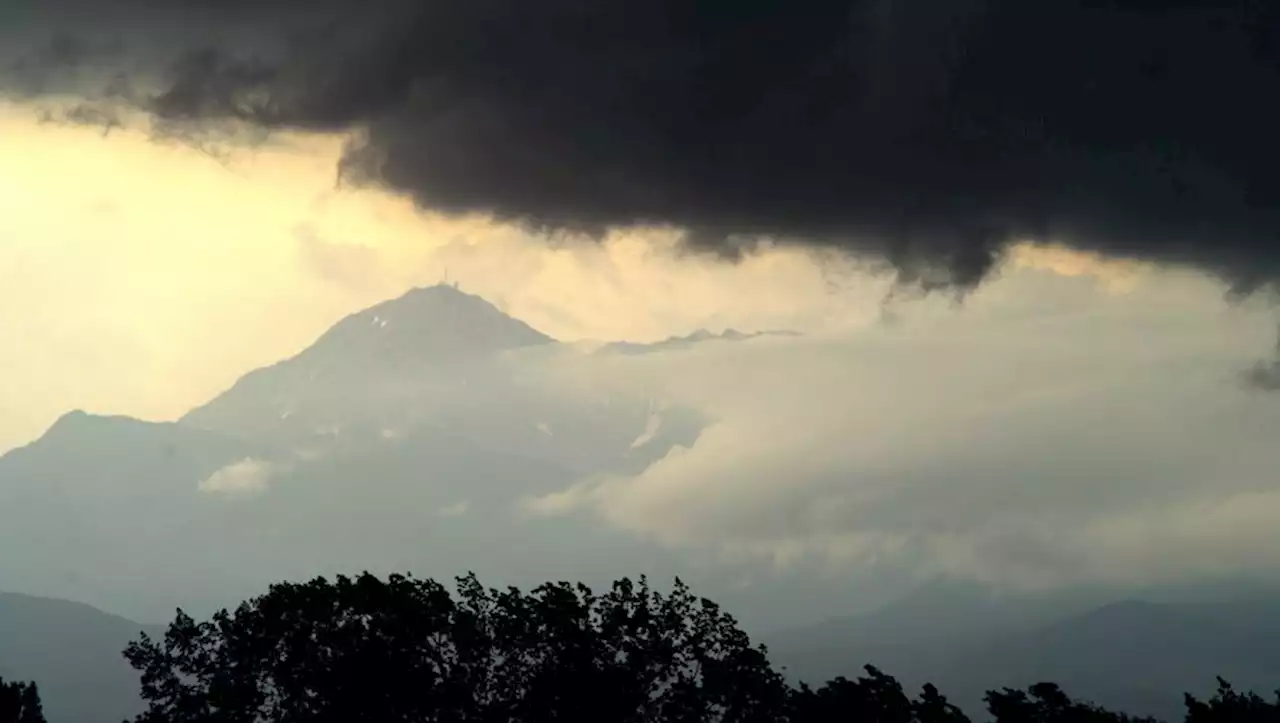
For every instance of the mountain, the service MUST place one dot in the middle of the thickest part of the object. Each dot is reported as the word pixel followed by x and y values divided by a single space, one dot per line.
pixel 1136 655
pixel 685 342
pixel 433 415
pixel 1132 655
pixel 437 358
pixel 74 653
pixel 921 633
pixel 431 341
pixel 98 502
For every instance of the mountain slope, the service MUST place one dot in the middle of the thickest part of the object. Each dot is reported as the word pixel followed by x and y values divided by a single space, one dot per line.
pixel 1130 655
pixel 429 342
pixel 74 653
pixel 438 358
pixel 919 634
pixel 409 436
pixel 96 504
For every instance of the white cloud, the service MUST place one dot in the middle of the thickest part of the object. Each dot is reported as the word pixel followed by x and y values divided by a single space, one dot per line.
pixel 247 478
pixel 455 510
pixel 561 502
pixel 1102 437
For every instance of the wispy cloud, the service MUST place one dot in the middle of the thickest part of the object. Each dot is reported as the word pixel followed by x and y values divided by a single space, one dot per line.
pixel 247 478
pixel 1020 449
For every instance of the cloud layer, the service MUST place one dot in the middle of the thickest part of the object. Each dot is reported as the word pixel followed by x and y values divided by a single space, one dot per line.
pixel 1098 439
pixel 929 135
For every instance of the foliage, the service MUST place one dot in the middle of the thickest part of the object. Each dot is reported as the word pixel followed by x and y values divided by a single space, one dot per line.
pixel 20 703
pixel 405 649
pixel 876 697
pixel 1228 706
pixel 1046 703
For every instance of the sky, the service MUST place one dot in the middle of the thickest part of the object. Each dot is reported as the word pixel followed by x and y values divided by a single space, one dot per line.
pixel 160 275
pixel 1036 282
pixel 1075 418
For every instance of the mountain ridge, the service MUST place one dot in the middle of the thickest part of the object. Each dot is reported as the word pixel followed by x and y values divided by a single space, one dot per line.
pixel 1136 653
pixel 74 652
pixel 687 341
pixel 435 331
pixel 260 482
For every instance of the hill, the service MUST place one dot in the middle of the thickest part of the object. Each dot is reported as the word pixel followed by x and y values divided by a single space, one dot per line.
pixel 1132 655
pixel 98 503
pixel 73 652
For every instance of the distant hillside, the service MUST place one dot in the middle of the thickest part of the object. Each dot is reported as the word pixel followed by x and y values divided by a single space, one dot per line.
pixel 74 653
pixel 1134 656
pixel 99 502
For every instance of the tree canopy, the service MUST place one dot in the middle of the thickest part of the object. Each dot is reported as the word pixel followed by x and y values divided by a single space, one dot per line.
pixel 406 649
pixel 20 703
pixel 365 649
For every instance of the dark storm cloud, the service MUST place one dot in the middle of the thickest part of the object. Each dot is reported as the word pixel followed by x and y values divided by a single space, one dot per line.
pixel 926 133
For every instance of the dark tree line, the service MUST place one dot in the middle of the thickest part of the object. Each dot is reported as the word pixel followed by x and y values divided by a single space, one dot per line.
pixel 406 650
pixel 20 703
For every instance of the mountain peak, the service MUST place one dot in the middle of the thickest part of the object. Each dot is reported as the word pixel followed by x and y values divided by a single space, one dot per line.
pixel 426 324
pixel 432 298
pixel 79 421
pixel 366 358
pixel 74 417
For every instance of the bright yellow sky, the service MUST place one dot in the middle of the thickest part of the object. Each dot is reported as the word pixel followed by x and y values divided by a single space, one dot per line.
pixel 142 278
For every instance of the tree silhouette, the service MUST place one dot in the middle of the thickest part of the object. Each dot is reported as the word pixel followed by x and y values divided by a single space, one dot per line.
pixel 406 649
pixel 876 698
pixel 1228 706
pixel 1046 703
pixel 20 703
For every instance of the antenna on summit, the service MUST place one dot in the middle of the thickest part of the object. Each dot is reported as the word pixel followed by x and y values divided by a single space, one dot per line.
pixel 445 281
